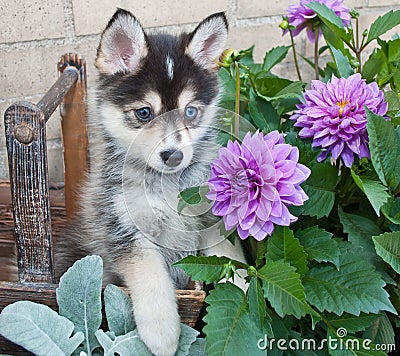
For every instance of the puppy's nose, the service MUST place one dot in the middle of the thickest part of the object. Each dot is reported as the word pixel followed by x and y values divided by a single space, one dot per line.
pixel 172 158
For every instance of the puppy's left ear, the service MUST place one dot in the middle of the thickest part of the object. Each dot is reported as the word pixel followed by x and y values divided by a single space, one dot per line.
pixel 207 41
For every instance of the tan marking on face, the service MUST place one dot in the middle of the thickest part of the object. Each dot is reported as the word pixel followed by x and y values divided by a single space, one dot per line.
pixel 151 99
pixel 185 97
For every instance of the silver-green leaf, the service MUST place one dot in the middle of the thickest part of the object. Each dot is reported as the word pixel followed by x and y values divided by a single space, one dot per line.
pixel 39 329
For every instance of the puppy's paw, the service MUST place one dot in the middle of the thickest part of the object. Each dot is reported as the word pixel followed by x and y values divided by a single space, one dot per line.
pixel 160 331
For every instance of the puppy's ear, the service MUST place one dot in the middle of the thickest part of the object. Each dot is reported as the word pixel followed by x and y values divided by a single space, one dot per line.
pixel 122 44
pixel 207 41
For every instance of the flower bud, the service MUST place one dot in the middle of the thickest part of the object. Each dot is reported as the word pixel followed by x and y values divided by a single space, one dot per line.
pixel 365 33
pixel 284 25
pixel 227 57
pixel 354 14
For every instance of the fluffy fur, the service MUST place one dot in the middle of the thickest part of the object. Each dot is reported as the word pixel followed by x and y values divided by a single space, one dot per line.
pixel 128 212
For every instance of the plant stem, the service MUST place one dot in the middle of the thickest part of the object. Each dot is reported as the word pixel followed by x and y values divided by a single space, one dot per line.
pixel 237 101
pixel 296 64
pixel 316 54
pixel 358 49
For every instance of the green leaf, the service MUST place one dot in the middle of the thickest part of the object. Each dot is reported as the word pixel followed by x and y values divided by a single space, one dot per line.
pixel 342 63
pixel 319 245
pixel 39 329
pixel 350 346
pixel 230 329
pixel 330 19
pixel 206 268
pixel 388 247
pixel 320 188
pixel 385 150
pixel 127 345
pixel 263 113
pixel 283 288
pixel 392 210
pixel 376 192
pixel 192 196
pixel 119 310
pixel 354 288
pixel 383 24
pixel 255 297
pixel 284 246
pixel 229 85
pixel 79 297
pixel 274 56
pixel 360 231
pixel 372 66
pixel 381 332
pixel 351 322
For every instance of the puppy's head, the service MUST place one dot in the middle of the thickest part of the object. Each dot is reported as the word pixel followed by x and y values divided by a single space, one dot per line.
pixel 157 93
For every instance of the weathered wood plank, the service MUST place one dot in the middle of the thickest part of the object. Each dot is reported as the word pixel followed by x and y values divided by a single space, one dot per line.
pixel 27 156
pixel 74 132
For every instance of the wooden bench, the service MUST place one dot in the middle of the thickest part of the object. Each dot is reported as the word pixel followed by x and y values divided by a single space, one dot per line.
pixel 32 212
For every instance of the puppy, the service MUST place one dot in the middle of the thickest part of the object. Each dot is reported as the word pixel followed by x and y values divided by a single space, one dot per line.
pixel 151 117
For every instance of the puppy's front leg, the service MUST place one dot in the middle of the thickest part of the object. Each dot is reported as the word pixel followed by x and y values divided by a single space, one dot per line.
pixel 154 301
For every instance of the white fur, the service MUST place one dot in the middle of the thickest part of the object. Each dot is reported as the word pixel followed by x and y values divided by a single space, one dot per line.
pixel 169 65
pixel 122 46
pixel 208 42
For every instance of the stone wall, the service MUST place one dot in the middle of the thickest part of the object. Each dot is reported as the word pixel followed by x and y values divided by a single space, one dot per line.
pixel 33 34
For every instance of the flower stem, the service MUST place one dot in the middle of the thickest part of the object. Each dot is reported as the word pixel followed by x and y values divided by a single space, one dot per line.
pixel 316 54
pixel 358 49
pixel 237 101
pixel 296 63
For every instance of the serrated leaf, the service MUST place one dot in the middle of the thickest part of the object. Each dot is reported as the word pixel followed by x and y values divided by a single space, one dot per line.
pixel 330 19
pixel 385 150
pixel 257 307
pixel 229 85
pixel 351 322
pixel 392 210
pixel 354 288
pixel 283 288
pixel 192 196
pixel 127 345
pixel 79 298
pixel 263 114
pixel 372 66
pixel 375 191
pixel 360 231
pixel 342 63
pixel 383 24
pixel 320 188
pixel 388 247
pixel 274 56
pixel 284 246
pixel 230 330
pixel 350 346
pixel 39 329
pixel 381 332
pixel 206 268
pixel 119 310
pixel 319 245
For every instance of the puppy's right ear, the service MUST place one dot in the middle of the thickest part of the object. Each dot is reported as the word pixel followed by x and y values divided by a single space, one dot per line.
pixel 122 44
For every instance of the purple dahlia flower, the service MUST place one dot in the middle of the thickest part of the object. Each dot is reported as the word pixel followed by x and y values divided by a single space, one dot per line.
pixel 300 16
pixel 333 116
pixel 253 183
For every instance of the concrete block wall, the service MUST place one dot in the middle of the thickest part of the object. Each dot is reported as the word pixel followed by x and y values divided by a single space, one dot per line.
pixel 33 35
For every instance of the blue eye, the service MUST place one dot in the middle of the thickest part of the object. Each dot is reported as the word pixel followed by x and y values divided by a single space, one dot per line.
pixel 191 112
pixel 144 114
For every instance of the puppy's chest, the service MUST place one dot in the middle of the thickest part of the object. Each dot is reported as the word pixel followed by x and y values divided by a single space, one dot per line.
pixel 151 209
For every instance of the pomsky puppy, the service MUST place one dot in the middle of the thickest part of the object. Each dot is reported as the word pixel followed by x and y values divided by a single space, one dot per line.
pixel 151 119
